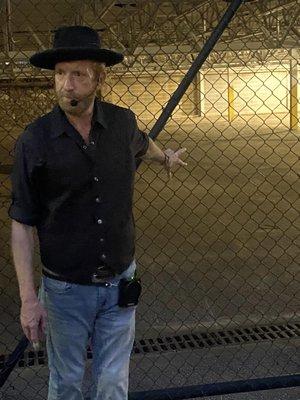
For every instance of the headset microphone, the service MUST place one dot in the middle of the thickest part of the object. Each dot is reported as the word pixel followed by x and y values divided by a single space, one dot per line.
pixel 74 102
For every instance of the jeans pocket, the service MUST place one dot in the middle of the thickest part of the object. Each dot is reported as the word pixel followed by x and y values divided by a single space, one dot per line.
pixel 129 272
pixel 56 286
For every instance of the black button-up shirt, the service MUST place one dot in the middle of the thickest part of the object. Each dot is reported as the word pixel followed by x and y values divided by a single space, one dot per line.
pixel 78 195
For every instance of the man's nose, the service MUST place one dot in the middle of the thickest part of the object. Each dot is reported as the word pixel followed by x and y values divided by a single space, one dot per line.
pixel 68 83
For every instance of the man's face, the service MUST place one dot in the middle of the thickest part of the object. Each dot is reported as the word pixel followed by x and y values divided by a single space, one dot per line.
pixel 76 80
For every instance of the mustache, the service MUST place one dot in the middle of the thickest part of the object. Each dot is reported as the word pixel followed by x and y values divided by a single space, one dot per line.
pixel 68 96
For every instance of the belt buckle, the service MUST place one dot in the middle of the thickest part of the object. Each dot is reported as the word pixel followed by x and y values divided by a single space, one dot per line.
pixel 101 275
pixel 98 279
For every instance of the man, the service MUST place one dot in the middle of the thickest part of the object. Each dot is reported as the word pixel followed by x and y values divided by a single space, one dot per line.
pixel 73 180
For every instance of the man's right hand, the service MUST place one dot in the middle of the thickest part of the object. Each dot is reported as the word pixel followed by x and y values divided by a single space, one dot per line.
pixel 33 320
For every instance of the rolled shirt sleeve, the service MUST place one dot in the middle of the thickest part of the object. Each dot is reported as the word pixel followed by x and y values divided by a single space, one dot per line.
pixel 139 139
pixel 25 206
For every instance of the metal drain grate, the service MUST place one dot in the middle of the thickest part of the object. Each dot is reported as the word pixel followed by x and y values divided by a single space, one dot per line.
pixel 219 338
pixel 187 341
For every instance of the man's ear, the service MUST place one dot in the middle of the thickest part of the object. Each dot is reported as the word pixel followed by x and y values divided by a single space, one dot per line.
pixel 102 77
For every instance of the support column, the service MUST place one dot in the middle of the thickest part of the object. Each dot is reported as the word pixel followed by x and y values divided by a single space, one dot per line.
pixel 230 92
pixel 294 120
pixel 202 92
pixel 197 94
pixel 7 30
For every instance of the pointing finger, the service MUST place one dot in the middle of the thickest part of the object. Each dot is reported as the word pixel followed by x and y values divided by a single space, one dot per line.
pixel 180 162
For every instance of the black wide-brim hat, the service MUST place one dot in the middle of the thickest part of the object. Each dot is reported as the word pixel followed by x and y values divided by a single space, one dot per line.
pixel 72 43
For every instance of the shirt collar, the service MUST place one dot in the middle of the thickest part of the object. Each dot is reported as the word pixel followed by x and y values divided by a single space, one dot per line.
pixel 98 115
pixel 59 120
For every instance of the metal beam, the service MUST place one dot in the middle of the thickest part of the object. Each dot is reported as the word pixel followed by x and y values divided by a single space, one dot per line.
pixel 295 31
pixel 37 39
pixel 7 30
pixel 289 26
pixel 152 10
pixel 190 27
pixel 189 21
pixel 106 6
pixel 281 7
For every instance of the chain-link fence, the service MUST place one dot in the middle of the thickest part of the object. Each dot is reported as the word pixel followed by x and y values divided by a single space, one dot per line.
pixel 218 245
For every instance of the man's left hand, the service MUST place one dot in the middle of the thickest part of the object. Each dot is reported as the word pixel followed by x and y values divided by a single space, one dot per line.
pixel 173 159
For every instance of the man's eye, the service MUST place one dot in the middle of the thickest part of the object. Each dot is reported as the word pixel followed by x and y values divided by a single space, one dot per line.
pixel 77 73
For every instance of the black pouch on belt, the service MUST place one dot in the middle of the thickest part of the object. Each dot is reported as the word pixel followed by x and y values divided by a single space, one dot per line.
pixel 129 292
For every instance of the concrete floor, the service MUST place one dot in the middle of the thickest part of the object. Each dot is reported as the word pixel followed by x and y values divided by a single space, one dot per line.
pixel 217 247
pixel 179 369
pixel 220 242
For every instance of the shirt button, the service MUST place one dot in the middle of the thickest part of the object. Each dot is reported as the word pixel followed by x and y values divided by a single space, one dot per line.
pixel 103 257
pixel 97 199
pixel 96 179
pixel 101 240
pixel 92 143
pixel 84 147
pixel 99 221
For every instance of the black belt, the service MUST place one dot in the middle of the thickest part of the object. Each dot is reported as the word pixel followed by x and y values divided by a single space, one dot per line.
pixel 100 277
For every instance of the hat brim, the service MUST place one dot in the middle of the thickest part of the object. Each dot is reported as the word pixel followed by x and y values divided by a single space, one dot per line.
pixel 49 58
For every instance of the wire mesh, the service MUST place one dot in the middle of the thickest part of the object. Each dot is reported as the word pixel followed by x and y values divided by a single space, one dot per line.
pixel 218 245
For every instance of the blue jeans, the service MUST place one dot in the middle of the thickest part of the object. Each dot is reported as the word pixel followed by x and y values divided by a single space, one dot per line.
pixel 78 314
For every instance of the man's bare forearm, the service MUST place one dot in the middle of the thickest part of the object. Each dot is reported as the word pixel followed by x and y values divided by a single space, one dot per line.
pixel 154 153
pixel 33 316
pixel 168 158
pixel 22 249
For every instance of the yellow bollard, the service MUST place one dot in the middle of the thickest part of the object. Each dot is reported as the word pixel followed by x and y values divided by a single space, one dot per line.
pixel 294 120
pixel 231 111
